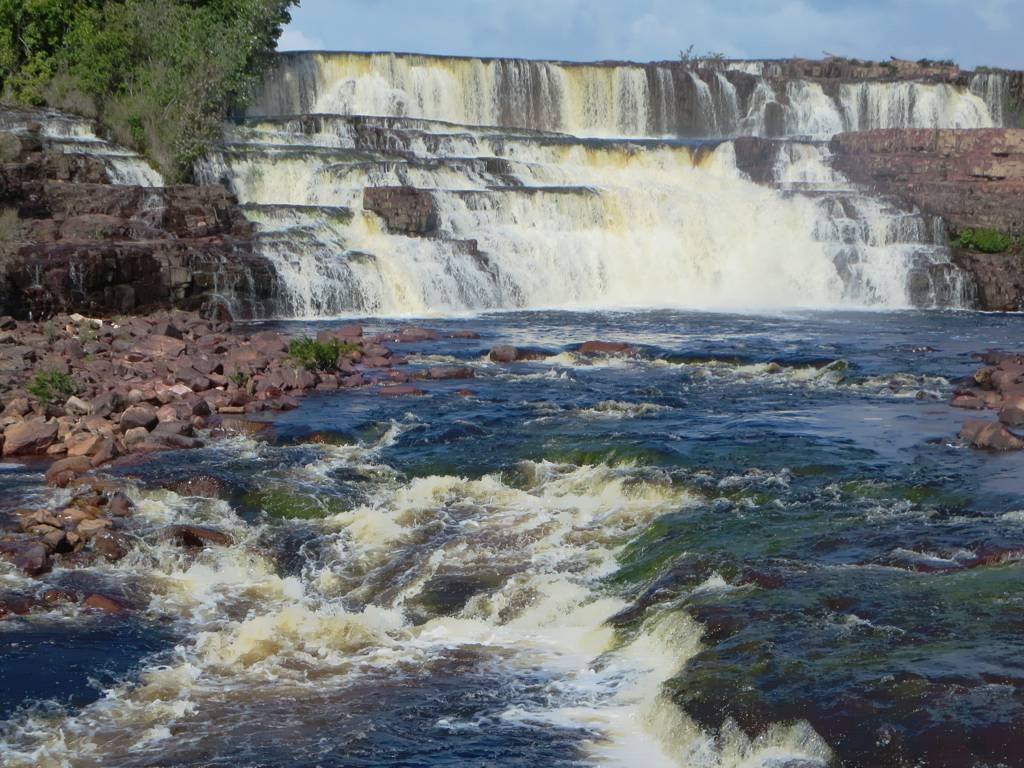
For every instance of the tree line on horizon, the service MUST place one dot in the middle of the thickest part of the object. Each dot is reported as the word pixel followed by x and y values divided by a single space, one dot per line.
pixel 159 76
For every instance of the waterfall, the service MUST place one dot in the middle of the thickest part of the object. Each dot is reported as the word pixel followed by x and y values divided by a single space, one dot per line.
pixel 405 184
pixel 75 135
pixel 993 89
pixel 605 100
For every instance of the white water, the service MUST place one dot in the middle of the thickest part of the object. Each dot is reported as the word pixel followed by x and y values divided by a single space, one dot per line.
pixel 254 638
pixel 601 100
pixel 557 222
pixel 75 135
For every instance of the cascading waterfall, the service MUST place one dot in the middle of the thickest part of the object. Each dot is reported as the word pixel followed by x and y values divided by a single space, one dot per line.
pixel 526 211
pixel 657 99
pixel 75 135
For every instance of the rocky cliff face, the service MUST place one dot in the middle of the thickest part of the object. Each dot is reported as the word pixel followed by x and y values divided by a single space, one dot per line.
pixel 71 240
pixel 972 179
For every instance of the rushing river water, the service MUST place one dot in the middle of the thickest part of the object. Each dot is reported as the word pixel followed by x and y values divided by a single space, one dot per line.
pixel 756 544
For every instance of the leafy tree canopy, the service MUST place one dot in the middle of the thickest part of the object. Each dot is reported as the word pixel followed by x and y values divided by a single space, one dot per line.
pixel 160 75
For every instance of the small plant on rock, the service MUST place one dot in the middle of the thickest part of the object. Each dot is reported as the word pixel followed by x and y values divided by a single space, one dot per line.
pixel 51 332
pixel 49 387
pixel 239 379
pixel 319 355
pixel 985 240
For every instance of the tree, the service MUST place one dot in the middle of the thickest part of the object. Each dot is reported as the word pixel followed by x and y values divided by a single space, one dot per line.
pixel 164 94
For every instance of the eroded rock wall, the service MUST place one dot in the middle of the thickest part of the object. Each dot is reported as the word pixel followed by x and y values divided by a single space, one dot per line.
pixel 70 240
pixel 972 179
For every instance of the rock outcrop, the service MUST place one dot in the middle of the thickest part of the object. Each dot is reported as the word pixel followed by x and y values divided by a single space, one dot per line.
pixel 70 240
pixel 972 179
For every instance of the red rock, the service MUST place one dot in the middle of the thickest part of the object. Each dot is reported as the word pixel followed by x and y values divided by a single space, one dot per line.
pixel 174 428
pixel 413 334
pixel 29 438
pixel 464 335
pixel 139 416
pixel 62 472
pixel 347 333
pixel 451 372
pixel 105 604
pixel 108 403
pixel 203 486
pixel 27 555
pixel 401 392
pixel 107 451
pixel 1012 412
pixel 56 596
pixel 160 346
pixel 504 353
pixel 990 435
pixel 120 505
pixel 197 536
pixel 970 402
pixel 111 545
pixel 591 348
pixel 83 444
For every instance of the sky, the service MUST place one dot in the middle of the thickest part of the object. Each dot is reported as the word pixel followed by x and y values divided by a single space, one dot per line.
pixel 975 32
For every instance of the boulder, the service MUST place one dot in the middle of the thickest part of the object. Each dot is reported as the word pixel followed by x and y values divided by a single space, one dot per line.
pixel 28 555
pixel 61 473
pixel 990 436
pixel 105 604
pixel 111 545
pixel 401 392
pixel 195 536
pixel 29 438
pixel 593 348
pixel 160 347
pixel 139 416
pixel 83 444
pixel 451 372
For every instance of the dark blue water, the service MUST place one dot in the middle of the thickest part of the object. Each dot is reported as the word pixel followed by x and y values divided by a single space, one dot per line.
pixel 851 569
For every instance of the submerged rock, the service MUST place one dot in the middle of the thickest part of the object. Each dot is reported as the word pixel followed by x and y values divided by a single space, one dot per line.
pixel 990 436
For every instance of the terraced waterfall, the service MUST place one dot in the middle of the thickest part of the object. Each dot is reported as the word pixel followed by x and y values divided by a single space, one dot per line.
pixel 399 184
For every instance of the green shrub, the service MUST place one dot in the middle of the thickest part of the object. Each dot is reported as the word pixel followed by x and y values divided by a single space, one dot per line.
pixel 319 355
pixel 50 387
pixel 985 240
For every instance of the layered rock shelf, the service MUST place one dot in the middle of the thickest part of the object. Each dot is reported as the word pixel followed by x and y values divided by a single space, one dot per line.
pixel 71 240
pixel 972 179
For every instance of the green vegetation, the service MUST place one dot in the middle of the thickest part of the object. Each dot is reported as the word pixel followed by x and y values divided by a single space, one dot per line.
pixel 50 387
pixel 985 240
pixel 319 355
pixel 160 75
pixel 709 59
pixel 292 504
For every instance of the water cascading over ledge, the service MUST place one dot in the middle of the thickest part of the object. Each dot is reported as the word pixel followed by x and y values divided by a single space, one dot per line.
pixel 393 184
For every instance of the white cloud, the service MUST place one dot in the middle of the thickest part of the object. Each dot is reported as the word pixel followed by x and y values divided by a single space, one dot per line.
pixel 293 39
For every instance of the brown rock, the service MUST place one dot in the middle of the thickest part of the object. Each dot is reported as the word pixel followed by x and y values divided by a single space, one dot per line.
pixel 1012 412
pixel 83 444
pixel 27 555
pixel 120 505
pixel 969 402
pixel 29 438
pixel 160 346
pixel 592 348
pixel 105 604
pixel 133 438
pixel 62 472
pixel 139 416
pixel 197 536
pixel 105 452
pixel 401 392
pixel 111 545
pixel 451 372
pixel 203 486
pixel 990 436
